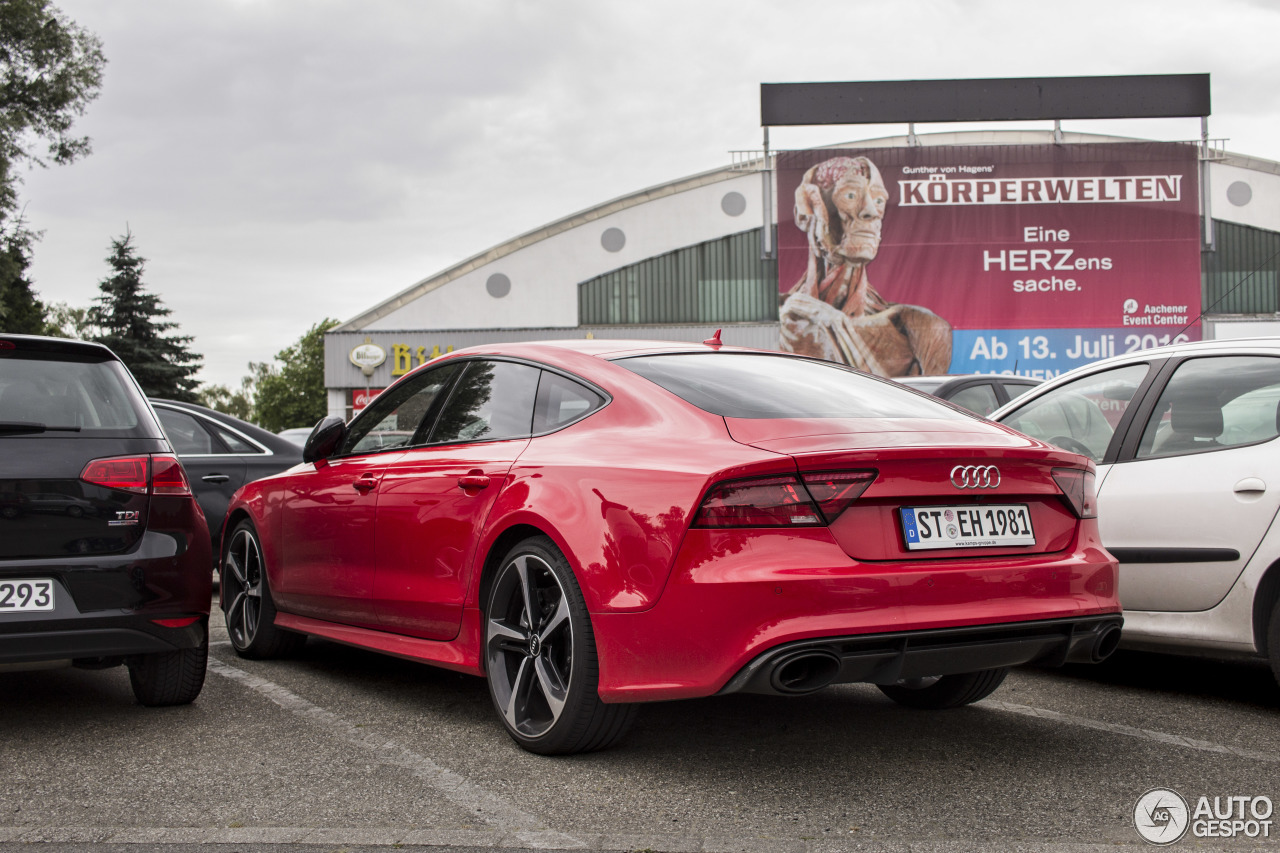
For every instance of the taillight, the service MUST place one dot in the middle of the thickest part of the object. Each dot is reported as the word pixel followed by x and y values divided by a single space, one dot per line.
pixel 834 491
pixel 1077 486
pixel 167 476
pixel 760 502
pixel 127 473
pixel 162 473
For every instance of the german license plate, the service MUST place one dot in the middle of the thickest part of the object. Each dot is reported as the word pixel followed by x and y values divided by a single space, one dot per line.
pixel 966 526
pixel 23 596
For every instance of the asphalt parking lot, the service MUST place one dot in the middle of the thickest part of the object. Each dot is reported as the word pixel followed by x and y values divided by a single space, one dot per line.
pixel 339 749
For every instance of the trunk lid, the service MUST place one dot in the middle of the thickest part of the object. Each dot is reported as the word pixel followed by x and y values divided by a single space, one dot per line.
pixel 64 404
pixel 916 461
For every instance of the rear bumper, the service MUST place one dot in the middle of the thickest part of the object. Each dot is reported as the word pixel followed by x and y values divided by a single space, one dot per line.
pixel 888 658
pixel 106 606
pixel 733 597
pixel 117 637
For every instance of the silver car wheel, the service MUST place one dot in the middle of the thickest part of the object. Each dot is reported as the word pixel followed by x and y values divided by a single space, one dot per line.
pixel 242 588
pixel 529 645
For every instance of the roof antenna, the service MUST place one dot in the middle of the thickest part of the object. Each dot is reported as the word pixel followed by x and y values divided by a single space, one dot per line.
pixel 714 340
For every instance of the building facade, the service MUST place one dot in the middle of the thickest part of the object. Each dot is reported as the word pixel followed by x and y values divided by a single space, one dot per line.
pixel 678 261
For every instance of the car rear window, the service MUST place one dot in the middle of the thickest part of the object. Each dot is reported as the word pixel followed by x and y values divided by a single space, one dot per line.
pixel 751 385
pixel 65 390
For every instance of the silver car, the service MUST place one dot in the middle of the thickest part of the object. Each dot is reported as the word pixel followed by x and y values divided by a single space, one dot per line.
pixel 1188 487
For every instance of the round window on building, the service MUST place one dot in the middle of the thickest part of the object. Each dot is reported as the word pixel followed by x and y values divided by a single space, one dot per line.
pixel 1239 193
pixel 613 239
pixel 498 285
pixel 734 204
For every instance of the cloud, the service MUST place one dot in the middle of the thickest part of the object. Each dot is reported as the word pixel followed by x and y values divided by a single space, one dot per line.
pixel 284 161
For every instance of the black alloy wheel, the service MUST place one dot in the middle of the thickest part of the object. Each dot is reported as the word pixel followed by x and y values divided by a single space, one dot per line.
pixel 540 656
pixel 247 606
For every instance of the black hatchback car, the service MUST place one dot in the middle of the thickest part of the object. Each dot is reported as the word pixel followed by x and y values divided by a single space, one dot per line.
pixel 104 552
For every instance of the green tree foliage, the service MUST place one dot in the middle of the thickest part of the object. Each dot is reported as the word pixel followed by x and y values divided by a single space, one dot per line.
pixel 63 320
pixel 238 403
pixel 50 69
pixel 131 322
pixel 293 395
pixel 21 311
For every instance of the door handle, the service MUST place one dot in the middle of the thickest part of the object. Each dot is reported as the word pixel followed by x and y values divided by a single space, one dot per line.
pixel 1251 484
pixel 365 483
pixel 215 478
pixel 473 481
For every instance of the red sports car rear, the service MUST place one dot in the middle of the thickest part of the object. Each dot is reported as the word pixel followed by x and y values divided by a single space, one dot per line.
pixel 593 524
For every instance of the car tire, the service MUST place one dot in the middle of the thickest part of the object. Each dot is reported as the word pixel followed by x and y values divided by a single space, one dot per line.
pixel 247 606
pixel 1273 641
pixel 947 691
pixel 543 672
pixel 169 678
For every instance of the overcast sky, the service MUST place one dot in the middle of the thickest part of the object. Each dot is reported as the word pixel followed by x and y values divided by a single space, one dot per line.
pixel 282 161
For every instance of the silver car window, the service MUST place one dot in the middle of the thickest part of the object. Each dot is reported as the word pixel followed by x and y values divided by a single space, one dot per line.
pixel 1082 415
pixel 1211 403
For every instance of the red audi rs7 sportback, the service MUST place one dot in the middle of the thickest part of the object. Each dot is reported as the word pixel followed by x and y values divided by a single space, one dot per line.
pixel 593 524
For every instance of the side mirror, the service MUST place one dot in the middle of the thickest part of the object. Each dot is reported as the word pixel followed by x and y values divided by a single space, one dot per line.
pixel 324 439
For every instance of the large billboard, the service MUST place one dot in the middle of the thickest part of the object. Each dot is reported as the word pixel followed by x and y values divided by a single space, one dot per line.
pixel 1004 259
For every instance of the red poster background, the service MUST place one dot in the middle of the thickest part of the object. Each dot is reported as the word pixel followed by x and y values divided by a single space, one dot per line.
pixel 942 257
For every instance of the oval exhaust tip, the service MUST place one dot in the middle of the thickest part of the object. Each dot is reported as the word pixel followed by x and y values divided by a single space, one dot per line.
pixel 1107 644
pixel 805 672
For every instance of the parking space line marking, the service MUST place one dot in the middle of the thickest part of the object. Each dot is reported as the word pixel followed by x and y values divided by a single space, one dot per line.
pixel 498 812
pixel 397 837
pixel 1131 731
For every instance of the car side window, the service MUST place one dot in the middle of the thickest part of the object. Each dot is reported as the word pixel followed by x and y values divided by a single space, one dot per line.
pixel 234 443
pixel 1212 403
pixel 976 398
pixel 186 434
pixel 492 400
pixel 562 401
pixel 1081 416
pixel 398 414
pixel 1016 389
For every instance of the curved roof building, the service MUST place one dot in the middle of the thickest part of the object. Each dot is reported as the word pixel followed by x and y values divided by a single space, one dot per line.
pixel 679 260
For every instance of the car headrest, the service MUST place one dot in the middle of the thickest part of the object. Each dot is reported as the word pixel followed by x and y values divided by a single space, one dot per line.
pixel 1200 417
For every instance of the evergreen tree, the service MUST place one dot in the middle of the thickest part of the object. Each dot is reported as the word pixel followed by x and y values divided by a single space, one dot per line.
pixel 131 323
pixel 21 311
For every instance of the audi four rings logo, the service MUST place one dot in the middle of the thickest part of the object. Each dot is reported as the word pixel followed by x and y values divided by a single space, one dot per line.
pixel 975 476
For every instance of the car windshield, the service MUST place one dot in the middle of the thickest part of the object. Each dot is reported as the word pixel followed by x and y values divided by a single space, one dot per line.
pixel 70 393
pixel 750 385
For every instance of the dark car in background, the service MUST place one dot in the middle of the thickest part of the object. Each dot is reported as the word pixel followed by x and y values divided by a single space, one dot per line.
pixel 104 552
pixel 981 393
pixel 221 453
